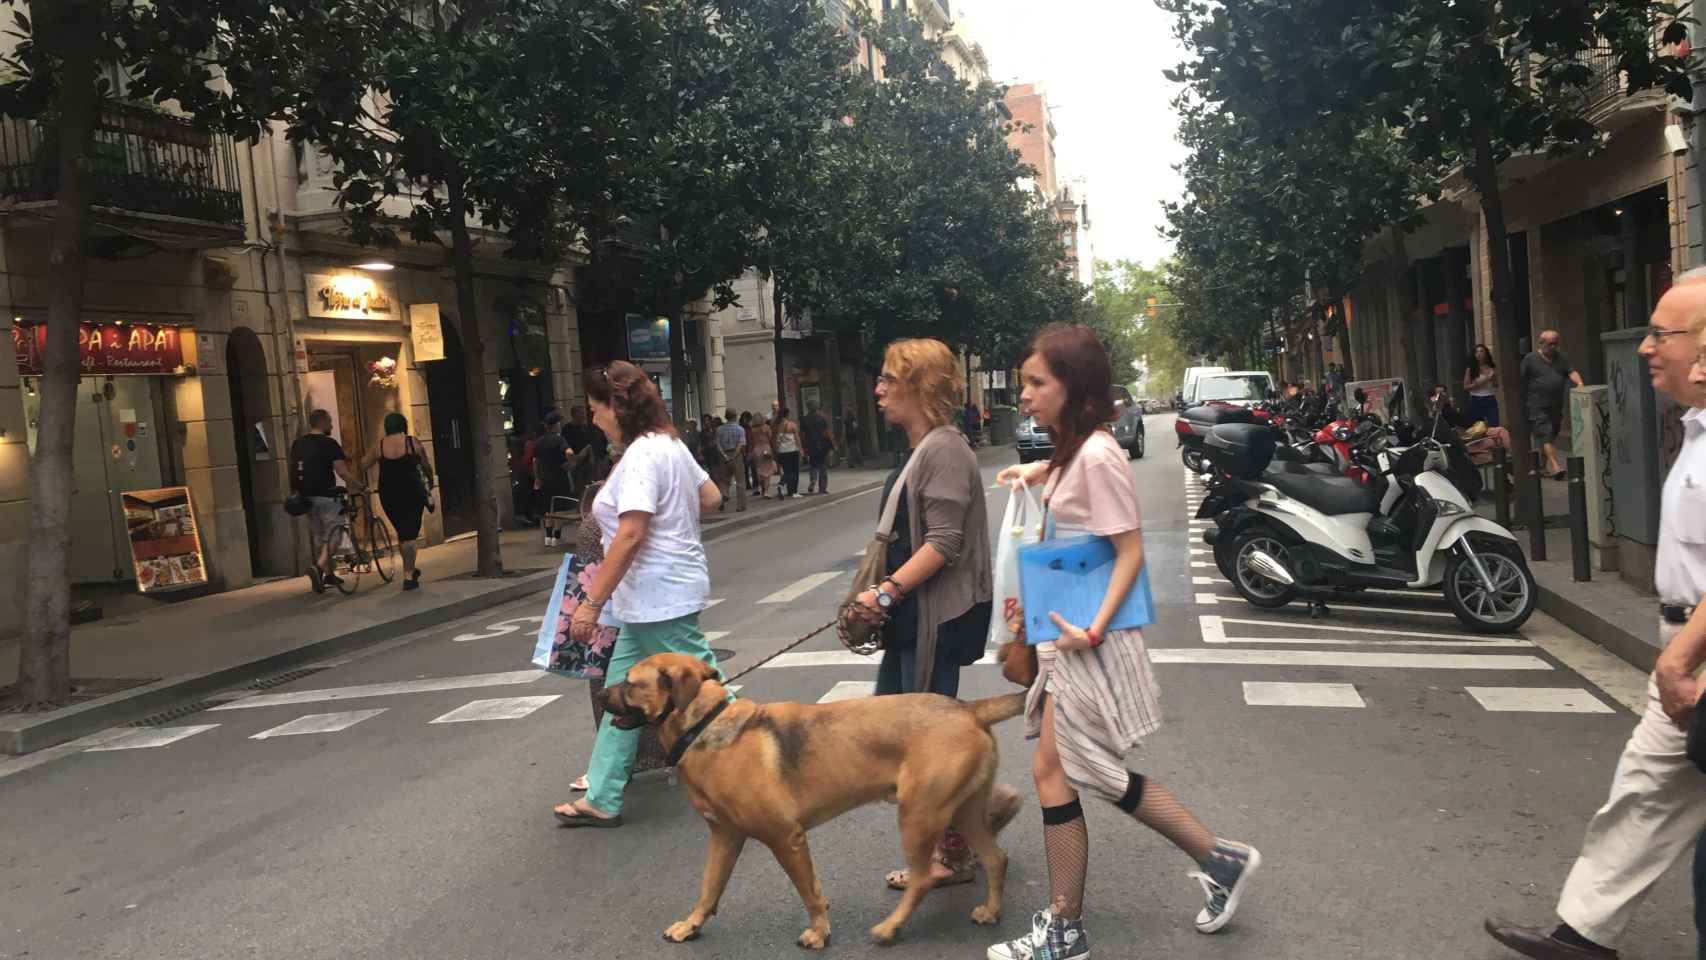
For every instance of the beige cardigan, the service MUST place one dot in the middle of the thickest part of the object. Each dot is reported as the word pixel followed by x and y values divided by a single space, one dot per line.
pixel 945 508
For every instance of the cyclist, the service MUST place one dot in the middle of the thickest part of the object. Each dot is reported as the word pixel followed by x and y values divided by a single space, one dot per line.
pixel 317 463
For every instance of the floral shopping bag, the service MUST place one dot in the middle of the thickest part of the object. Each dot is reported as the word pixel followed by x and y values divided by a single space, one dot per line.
pixel 559 652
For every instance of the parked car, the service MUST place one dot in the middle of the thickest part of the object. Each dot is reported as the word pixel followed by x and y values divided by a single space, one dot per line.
pixel 1128 426
pixel 1239 387
pixel 1032 442
pixel 1188 390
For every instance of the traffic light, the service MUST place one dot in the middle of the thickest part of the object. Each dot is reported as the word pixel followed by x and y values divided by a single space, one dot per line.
pixel 1153 307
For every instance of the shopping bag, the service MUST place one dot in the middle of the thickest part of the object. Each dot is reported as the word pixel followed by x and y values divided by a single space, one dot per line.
pixel 1071 577
pixel 1020 525
pixel 556 649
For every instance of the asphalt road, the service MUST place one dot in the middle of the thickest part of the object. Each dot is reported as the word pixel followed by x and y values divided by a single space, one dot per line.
pixel 1392 818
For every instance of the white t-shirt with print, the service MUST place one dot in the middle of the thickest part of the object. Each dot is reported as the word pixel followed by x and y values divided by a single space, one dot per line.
pixel 668 578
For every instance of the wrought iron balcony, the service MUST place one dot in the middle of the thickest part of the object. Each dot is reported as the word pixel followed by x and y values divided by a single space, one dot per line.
pixel 141 161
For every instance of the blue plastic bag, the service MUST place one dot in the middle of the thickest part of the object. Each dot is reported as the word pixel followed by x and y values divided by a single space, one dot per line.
pixel 1071 577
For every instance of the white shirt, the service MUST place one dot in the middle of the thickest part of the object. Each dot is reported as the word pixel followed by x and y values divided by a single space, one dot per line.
pixel 1680 571
pixel 668 578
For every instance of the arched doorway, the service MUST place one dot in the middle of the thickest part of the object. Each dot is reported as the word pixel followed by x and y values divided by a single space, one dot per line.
pixel 251 425
pixel 453 453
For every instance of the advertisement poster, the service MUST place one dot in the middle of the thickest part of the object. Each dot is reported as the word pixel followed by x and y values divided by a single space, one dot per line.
pixel 105 348
pixel 165 545
pixel 647 339
pixel 426 332
pixel 1383 398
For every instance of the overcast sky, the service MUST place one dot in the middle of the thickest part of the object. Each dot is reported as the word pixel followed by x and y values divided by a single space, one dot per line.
pixel 1100 62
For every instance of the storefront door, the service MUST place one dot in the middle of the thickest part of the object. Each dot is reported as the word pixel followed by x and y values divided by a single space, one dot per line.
pixel 453 451
pixel 115 448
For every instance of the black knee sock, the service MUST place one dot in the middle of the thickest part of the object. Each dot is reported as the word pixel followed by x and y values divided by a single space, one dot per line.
pixel 1066 841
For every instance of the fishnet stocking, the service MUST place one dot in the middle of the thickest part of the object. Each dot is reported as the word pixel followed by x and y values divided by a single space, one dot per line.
pixel 1162 812
pixel 1068 848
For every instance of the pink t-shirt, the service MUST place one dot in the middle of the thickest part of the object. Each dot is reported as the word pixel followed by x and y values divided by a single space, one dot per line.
pixel 1096 494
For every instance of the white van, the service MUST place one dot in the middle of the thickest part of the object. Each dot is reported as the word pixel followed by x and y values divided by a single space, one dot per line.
pixel 1188 389
pixel 1240 388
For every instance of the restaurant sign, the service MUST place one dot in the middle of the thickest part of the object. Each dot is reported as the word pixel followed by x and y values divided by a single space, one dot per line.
pixel 106 348
pixel 349 297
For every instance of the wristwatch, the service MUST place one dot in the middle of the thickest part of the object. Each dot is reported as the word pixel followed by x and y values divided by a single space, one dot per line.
pixel 885 599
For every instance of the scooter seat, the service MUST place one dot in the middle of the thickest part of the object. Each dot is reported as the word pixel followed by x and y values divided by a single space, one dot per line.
pixel 1334 496
pixel 1310 468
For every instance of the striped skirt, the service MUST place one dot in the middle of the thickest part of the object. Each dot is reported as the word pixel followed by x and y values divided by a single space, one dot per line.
pixel 1105 702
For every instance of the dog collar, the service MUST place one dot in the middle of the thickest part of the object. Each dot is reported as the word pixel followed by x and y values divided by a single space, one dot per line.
pixel 676 752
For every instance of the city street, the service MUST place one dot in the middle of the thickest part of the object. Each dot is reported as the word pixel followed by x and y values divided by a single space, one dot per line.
pixel 1402 778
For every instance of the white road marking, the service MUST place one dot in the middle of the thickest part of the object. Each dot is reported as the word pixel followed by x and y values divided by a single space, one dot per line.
pixel 1616 678
pixel 1199 552
pixel 145 738
pixel 1204 582
pixel 1201 563
pixel 1341 604
pixel 712 636
pixel 849 690
pixel 505 708
pixel 1333 658
pixel 1266 694
pixel 318 723
pixel 1537 700
pixel 801 587
pixel 733 687
pixel 430 685
pixel 711 603
pixel 1217 622
pixel 820 658
pixel 492 631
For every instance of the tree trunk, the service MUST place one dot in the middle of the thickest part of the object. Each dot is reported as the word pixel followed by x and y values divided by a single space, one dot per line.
pixel 44 662
pixel 487 546
pixel 1513 412
pixel 781 375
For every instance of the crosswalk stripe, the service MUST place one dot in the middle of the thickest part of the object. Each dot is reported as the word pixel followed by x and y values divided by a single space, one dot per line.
pixel 1537 700
pixel 1335 658
pixel 734 687
pixel 820 658
pixel 318 723
pixel 801 587
pixel 505 708
pixel 1268 694
pixel 711 603
pixel 1218 624
pixel 146 738
pixel 1342 603
pixel 712 636
pixel 849 690
pixel 430 685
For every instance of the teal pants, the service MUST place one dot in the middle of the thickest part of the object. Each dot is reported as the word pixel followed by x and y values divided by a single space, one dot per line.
pixel 613 751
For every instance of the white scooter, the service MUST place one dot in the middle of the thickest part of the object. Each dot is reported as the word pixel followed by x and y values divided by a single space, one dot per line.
pixel 1411 528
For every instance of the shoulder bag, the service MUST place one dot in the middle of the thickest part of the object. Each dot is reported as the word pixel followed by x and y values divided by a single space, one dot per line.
pixel 858 634
pixel 423 483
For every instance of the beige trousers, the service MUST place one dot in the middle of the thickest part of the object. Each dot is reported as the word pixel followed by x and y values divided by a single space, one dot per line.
pixel 1656 810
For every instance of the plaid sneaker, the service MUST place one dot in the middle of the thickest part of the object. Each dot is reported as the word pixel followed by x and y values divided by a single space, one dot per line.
pixel 1051 938
pixel 1225 875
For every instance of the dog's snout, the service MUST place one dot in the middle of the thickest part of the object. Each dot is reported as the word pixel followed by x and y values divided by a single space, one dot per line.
pixel 613 698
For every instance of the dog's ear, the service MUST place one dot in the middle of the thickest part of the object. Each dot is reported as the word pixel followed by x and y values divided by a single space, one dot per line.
pixel 682 682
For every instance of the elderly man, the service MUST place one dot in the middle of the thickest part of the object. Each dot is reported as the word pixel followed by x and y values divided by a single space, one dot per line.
pixel 1546 379
pixel 1657 805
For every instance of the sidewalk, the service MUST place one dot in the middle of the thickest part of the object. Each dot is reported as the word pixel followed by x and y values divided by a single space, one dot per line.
pixel 147 654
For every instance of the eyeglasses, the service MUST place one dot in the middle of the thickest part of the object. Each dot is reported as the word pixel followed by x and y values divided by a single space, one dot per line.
pixel 1659 333
pixel 887 379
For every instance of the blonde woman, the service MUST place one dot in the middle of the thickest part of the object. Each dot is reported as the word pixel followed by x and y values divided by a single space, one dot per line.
pixel 937 592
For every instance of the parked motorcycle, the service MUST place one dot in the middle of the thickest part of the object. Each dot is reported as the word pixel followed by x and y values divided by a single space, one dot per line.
pixel 1283 530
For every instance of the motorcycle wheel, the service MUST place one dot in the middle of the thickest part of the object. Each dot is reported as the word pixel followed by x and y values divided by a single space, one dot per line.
pixel 1224 558
pixel 1193 459
pixel 1257 590
pixel 1508 606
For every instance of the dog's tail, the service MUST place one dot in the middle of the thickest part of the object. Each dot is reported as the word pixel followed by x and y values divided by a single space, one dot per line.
pixel 992 711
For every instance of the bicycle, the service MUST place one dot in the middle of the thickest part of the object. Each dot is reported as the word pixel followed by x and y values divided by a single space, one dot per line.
pixel 350 558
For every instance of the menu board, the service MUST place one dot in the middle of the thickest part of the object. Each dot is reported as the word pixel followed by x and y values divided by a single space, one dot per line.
pixel 165 545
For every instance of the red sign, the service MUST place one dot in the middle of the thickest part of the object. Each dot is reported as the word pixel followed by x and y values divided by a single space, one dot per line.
pixel 108 348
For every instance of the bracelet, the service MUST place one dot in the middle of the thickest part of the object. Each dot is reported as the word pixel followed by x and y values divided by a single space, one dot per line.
pixel 899 591
pixel 1095 636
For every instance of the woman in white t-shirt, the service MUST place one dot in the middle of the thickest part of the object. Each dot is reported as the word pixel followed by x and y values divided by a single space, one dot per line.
pixel 654 576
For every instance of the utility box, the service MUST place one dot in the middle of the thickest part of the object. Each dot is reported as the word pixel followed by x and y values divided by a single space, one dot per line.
pixel 1634 451
pixel 1003 421
pixel 1589 418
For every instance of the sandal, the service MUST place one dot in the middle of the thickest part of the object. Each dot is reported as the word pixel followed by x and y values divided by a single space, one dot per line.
pixel 575 818
pixel 579 785
pixel 963 872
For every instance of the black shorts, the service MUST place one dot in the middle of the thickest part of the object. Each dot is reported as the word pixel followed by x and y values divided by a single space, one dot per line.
pixel 1545 424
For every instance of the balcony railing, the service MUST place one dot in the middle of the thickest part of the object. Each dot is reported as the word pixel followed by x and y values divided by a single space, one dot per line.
pixel 1606 79
pixel 140 161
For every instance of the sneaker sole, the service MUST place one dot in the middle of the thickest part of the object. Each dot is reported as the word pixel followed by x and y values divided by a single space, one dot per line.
pixel 990 954
pixel 1219 923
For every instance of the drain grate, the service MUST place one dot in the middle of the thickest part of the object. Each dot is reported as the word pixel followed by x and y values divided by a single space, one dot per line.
pixel 267 683
pixel 178 712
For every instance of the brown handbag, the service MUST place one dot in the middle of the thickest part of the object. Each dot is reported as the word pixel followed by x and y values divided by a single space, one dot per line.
pixel 858 634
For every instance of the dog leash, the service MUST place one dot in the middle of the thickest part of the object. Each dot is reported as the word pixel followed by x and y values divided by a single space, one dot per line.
pixel 781 651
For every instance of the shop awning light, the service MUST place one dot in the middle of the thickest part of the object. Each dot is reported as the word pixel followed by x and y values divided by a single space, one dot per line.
pixel 376 265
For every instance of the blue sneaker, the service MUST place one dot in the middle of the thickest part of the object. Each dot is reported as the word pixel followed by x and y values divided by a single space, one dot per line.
pixel 1051 938
pixel 1225 877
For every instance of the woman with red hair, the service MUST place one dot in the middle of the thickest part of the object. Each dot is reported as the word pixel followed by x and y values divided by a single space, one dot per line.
pixel 1095 696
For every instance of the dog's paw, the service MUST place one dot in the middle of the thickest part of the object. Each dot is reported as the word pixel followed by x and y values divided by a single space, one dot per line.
pixel 814 939
pixel 884 933
pixel 681 932
pixel 983 916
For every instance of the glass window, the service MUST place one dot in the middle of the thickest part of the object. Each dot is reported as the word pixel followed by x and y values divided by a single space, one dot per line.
pixel 1253 387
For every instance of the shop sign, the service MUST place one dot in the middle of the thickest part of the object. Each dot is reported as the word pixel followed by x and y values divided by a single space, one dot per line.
pixel 105 348
pixel 426 332
pixel 1383 398
pixel 647 339
pixel 165 545
pixel 349 297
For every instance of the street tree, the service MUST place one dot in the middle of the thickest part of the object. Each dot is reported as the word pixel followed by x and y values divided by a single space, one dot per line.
pixel 179 54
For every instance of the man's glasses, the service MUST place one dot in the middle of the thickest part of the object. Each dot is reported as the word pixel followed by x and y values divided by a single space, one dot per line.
pixel 888 379
pixel 1659 333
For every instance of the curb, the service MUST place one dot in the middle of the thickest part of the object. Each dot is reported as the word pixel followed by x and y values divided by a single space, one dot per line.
pixel 27 733
pixel 1614 637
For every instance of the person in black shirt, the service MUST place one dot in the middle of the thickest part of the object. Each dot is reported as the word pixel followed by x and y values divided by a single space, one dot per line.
pixel 814 433
pixel 550 474
pixel 317 463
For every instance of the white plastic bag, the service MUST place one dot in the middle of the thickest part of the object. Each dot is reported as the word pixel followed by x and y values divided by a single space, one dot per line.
pixel 1020 525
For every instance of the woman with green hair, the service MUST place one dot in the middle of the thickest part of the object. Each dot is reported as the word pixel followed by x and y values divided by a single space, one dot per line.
pixel 405 482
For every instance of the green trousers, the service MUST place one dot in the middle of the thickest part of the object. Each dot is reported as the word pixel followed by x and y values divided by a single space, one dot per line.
pixel 613 751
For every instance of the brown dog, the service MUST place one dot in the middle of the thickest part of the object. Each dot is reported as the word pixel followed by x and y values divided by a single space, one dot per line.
pixel 773 771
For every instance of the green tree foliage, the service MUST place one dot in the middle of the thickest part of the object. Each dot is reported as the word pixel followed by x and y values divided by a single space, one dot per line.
pixel 1137 342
